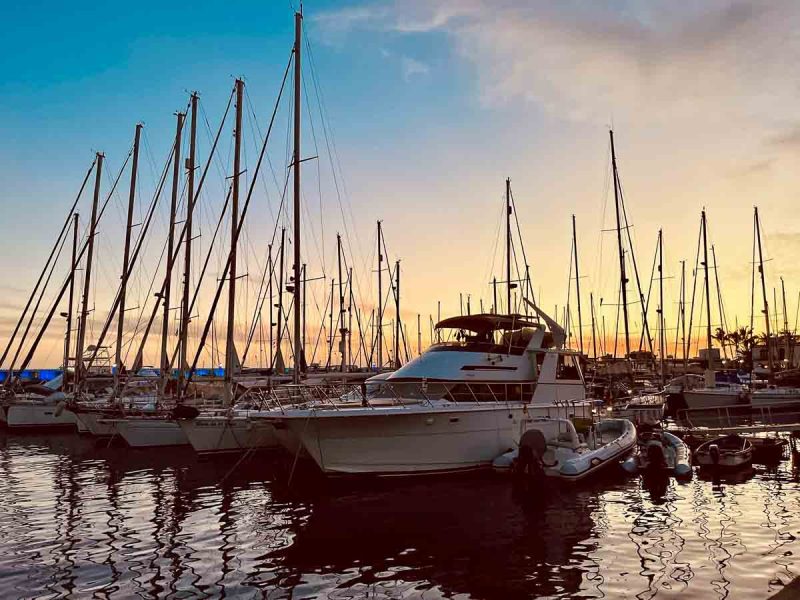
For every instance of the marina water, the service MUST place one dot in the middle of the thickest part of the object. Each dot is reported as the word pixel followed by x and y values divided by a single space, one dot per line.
pixel 82 520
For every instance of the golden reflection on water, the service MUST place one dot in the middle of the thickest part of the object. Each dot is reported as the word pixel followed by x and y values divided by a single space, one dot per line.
pixel 83 521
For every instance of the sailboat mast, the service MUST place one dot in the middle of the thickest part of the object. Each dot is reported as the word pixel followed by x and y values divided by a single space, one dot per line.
pixel 279 319
pixel 594 337
pixel 87 277
pixel 719 297
pixel 187 250
pixel 379 323
pixel 662 345
pixel 350 318
pixel 684 348
pixel 237 155
pixel 623 280
pixel 126 257
pixel 419 334
pixel 763 291
pixel 707 289
pixel 269 286
pixel 342 328
pixel 305 303
pixel 298 350
pixel 577 285
pixel 70 309
pixel 397 325
pixel 785 322
pixel 508 245
pixel 165 319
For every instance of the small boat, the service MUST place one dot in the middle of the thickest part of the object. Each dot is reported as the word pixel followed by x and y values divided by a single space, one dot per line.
pixel 723 395
pixel 554 448
pixel 775 396
pixel 730 451
pixel 660 451
pixel 647 410
pixel 770 449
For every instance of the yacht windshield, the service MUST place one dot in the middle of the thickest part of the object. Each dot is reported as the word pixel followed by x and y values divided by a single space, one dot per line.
pixel 409 390
pixel 491 342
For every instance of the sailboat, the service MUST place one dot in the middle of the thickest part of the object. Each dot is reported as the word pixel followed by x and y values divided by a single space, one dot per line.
pixel 713 394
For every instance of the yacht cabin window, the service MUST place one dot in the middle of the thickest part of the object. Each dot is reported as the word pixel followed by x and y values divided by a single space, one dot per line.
pixel 568 368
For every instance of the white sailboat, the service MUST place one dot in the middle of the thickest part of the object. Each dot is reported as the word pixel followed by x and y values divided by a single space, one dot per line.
pixel 37 411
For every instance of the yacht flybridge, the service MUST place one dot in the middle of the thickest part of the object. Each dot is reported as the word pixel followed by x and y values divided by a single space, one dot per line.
pixel 457 406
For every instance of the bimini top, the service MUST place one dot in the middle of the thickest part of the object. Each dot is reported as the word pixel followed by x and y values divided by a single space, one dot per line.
pixel 485 323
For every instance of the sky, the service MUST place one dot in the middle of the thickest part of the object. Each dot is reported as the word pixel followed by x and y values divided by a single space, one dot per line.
pixel 429 106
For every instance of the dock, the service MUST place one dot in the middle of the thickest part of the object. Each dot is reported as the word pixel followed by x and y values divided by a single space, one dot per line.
pixel 741 420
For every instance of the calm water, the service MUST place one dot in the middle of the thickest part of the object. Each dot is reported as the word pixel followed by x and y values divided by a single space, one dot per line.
pixel 82 521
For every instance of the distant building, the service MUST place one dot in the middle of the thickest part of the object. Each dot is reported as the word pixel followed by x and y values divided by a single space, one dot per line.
pixel 785 354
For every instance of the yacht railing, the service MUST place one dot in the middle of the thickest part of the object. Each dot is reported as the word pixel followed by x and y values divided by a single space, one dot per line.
pixel 403 394
pixel 733 417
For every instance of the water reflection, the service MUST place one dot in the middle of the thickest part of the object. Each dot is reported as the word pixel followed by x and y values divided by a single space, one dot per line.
pixel 81 520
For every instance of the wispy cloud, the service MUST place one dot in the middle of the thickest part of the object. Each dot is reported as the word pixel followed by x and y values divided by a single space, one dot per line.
pixel 789 138
pixel 412 67
pixel 587 60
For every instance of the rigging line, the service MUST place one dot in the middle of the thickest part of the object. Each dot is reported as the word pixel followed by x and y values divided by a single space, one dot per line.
pixel 47 262
pixel 616 324
pixel 256 129
pixel 78 258
pixel 330 144
pixel 646 305
pixel 155 272
pixel 753 280
pixel 319 172
pixel 491 266
pixel 134 257
pixel 521 243
pixel 694 290
pixel 600 283
pixel 722 316
pixel 569 282
pixel 41 297
pixel 328 131
pixel 180 239
pixel 238 227
pixel 645 325
pixel 259 306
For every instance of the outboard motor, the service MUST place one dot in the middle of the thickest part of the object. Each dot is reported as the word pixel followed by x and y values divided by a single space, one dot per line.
pixel 529 467
pixel 713 452
pixel 655 455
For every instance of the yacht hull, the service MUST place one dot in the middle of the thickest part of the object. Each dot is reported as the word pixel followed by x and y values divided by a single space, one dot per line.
pixel 38 416
pixel 223 435
pixel 696 399
pixel 150 432
pixel 97 424
pixel 775 398
pixel 406 440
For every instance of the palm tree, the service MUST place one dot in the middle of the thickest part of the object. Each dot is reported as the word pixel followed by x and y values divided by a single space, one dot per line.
pixel 721 337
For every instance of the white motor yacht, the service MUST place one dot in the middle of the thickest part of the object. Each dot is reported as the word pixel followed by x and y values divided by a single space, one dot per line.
pixel 457 406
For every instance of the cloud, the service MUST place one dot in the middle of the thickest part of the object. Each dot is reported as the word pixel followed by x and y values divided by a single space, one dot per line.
pixel 412 68
pixel 721 59
pixel 789 138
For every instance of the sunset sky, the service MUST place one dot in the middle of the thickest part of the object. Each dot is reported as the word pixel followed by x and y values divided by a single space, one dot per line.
pixel 431 105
